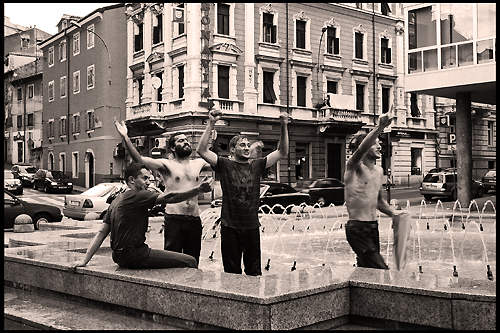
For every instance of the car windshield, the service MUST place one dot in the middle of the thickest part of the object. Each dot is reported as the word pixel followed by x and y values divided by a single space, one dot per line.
pixel 27 169
pixel 99 190
pixel 56 174
pixel 491 173
pixel 8 175
pixel 432 178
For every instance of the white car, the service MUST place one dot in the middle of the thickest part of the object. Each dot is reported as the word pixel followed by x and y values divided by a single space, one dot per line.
pixel 91 201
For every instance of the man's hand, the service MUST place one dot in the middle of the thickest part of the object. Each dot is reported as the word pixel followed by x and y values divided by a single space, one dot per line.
pixel 207 185
pixel 384 120
pixel 284 118
pixel 121 128
pixel 214 115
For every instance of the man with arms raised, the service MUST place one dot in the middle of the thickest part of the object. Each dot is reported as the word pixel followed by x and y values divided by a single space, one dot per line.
pixel 363 196
pixel 183 226
pixel 240 182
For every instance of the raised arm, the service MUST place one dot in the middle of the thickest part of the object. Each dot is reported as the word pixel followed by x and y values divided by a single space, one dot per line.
pixel 179 196
pixel 282 150
pixel 383 121
pixel 208 155
pixel 94 246
pixel 151 163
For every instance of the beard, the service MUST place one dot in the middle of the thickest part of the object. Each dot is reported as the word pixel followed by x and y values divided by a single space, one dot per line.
pixel 183 151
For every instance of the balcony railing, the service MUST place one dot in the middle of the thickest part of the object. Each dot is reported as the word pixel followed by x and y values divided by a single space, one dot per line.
pixel 339 115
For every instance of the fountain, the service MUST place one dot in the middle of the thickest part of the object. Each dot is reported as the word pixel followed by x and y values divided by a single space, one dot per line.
pixel 309 277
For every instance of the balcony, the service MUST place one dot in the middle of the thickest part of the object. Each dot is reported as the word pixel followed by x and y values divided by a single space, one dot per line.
pixel 147 110
pixel 339 115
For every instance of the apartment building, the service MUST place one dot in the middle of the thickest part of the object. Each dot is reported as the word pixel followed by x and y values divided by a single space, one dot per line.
pixel 83 91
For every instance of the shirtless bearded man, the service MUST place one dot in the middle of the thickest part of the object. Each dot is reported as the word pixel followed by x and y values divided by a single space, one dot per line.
pixel 183 226
pixel 363 196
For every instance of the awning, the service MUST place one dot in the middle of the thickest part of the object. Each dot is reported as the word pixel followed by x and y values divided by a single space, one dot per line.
pixel 342 102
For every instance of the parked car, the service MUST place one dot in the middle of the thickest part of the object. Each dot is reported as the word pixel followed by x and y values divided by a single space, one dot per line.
pixel 489 181
pixel 272 193
pixel 13 207
pixel 11 183
pixel 326 191
pixel 52 181
pixel 92 200
pixel 25 173
pixel 443 183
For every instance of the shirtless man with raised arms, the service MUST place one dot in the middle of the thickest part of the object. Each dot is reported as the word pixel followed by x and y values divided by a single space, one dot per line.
pixel 183 226
pixel 363 196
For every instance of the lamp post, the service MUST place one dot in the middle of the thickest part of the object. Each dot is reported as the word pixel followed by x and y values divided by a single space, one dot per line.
pixel 76 24
pixel 319 50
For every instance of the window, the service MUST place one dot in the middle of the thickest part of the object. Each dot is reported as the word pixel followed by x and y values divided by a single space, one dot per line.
pixel 62 126
pixel 51 56
pixel 358 45
pixel 138 37
pixel 416 161
pixel 90 77
pixel 223 81
pixel 51 128
pixel 19 121
pixel 386 92
pixel 19 94
pixel 25 43
pixel 385 56
pixel 62 162
pixel 31 90
pixel 456 22
pixel 51 91
pixel 138 90
pixel 74 165
pixel 76 82
pixel 223 19
pixel 491 127
pixel 300 34
pixel 89 120
pixel 20 152
pixel 332 42
pixel 181 81
pixel 157 29
pixel 486 20
pixel 62 51
pixel 331 87
pixel 269 96
pixel 31 118
pixel 159 95
pixel 415 112
pixel 484 50
pixel 269 28
pixel 181 24
pixel 422 27
pixel 76 43
pixel 301 90
pixel 385 8
pixel 90 36
pixel 359 5
pixel 360 96
pixel 62 86
pixel 75 125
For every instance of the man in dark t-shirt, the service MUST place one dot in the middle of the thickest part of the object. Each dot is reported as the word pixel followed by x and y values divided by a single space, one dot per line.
pixel 240 182
pixel 127 221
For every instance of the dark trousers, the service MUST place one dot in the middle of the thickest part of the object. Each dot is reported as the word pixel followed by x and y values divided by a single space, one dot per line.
pixel 238 242
pixel 363 237
pixel 182 234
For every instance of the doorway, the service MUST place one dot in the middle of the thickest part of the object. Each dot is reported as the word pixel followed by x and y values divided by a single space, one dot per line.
pixel 89 169
pixel 334 160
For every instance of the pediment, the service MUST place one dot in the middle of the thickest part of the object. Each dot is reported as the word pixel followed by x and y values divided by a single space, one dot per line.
pixel 227 48
pixel 155 56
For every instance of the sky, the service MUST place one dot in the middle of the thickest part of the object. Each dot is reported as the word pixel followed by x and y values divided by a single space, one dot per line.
pixel 46 15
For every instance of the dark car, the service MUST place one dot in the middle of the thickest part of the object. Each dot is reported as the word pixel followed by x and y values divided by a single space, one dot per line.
pixel 443 183
pixel 13 207
pixel 489 180
pixel 326 191
pixel 11 183
pixel 52 181
pixel 272 193
pixel 25 173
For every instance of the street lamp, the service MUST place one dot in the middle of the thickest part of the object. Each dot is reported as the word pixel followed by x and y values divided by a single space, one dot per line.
pixel 319 50
pixel 78 25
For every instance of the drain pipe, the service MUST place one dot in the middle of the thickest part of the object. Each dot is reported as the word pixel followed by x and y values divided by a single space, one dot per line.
pixel 288 97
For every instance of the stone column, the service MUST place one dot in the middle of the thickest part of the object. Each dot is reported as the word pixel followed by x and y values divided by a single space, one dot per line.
pixel 250 94
pixel 148 40
pixel 192 75
pixel 464 148
pixel 400 108
pixel 167 61
pixel 130 58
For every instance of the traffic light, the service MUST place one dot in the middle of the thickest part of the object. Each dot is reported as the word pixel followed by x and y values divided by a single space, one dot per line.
pixel 385 144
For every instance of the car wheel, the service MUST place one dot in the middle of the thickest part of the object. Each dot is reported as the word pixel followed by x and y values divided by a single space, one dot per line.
pixel 479 192
pixel 321 201
pixel 46 189
pixel 427 197
pixel 40 218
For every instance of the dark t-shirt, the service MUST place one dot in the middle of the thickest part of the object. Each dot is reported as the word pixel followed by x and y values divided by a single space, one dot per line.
pixel 240 183
pixel 128 218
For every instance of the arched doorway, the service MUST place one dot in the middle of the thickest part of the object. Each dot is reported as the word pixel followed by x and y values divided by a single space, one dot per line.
pixel 50 165
pixel 89 169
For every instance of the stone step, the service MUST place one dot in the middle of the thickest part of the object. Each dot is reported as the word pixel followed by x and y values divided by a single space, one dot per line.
pixel 29 310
